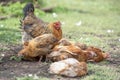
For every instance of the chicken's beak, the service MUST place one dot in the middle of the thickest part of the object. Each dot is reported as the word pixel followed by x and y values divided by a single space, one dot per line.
pixel 106 55
pixel 20 55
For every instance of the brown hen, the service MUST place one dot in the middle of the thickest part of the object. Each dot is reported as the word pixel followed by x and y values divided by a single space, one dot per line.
pixel 33 27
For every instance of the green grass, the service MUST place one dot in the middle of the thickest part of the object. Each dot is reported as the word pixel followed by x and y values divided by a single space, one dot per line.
pixel 31 78
pixel 103 72
pixel 96 16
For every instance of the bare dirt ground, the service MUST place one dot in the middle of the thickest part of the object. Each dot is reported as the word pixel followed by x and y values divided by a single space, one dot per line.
pixel 9 69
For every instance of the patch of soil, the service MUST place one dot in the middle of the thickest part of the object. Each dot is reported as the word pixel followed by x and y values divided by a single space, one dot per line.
pixel 115 58
pixel 9 69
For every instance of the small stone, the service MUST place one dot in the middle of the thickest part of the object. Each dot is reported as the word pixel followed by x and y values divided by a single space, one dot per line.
pixel 30 75
pixel 78 23
pixel 55 15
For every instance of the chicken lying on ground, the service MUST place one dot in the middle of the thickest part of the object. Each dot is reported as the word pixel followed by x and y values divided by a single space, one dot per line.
pixel 80 52
pixel 96 54
pixel 33 27
pixel 66 49
pixel 69 67
pixel 42 45
pixel 64 52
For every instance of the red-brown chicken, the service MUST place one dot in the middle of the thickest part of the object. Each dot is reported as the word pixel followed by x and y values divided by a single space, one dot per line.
pixel 78 52
pixel 64 52
pixel 96 54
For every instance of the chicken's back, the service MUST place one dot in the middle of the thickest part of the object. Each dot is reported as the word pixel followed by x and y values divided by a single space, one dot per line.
pixel 45 40
pixel 31 24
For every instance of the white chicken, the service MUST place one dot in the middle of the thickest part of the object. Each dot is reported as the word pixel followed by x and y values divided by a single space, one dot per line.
pixel 69 67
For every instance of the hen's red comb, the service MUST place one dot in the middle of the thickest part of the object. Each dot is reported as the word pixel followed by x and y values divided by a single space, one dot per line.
pixel 57 25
